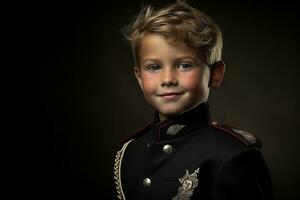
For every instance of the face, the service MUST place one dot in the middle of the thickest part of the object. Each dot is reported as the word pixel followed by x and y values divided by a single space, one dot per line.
pixel 172 77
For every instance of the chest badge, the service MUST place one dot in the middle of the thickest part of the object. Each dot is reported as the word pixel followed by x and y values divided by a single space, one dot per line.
pixel 188 183
pixel 174 129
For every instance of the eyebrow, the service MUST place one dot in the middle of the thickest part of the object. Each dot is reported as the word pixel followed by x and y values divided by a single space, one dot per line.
pixel 186 57
pixel 176 59
pixel 150 59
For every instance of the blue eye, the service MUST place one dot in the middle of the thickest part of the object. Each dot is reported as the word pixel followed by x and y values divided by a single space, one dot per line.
pixel 184 66
pixel 153 67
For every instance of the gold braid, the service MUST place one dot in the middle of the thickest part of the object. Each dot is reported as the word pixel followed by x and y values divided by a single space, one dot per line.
pixel 117 171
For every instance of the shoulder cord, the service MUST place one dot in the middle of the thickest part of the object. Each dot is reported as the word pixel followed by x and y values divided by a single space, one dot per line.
pixel 117 171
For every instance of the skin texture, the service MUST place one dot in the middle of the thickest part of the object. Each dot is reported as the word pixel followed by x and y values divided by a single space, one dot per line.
pixel 172 77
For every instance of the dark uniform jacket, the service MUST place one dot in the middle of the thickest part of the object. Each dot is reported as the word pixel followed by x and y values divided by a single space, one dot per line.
pixel 189 157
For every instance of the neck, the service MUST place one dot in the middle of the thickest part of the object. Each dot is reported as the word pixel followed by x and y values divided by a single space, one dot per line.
pixel 171 127
pixel 163 117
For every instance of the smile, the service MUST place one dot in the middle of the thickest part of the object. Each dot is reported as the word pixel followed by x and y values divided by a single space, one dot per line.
pixel 170 95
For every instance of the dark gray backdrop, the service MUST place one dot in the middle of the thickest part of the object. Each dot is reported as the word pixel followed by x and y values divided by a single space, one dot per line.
pixel 85 99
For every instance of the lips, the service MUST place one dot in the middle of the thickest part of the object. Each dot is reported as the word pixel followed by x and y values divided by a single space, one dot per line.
pixel 170 95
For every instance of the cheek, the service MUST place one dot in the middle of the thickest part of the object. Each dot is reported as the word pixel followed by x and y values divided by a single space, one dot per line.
pixel 194 82
pixel 149 83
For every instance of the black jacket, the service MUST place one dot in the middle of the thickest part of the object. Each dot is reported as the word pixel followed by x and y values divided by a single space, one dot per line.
pixel 188 157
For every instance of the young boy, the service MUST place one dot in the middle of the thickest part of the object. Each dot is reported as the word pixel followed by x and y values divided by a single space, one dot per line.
pixel 181 154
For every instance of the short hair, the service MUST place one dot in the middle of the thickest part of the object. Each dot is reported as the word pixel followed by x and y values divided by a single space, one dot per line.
pixel 178 21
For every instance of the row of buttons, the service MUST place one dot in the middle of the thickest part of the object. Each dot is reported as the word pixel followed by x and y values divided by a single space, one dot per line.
pixel 166 148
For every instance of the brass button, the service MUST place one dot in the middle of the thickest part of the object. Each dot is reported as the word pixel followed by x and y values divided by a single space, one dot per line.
pixel 167 148
pixel 147 182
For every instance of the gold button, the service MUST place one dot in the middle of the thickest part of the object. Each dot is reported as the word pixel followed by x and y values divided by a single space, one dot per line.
pixel 147 182
pixel 167 148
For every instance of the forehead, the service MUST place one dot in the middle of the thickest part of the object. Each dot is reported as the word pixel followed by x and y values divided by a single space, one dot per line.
pixel 158 46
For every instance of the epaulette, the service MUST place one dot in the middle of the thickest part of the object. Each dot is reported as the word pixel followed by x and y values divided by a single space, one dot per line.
pixel 138 133
pixel 243 136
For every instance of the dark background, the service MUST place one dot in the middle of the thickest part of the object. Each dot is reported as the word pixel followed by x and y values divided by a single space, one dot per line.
pixel 81 98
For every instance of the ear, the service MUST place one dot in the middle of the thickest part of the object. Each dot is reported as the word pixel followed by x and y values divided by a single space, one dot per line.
pixel 217 74
pixel 137 73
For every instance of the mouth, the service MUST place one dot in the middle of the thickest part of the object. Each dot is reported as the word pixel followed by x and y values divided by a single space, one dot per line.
pixel 170 95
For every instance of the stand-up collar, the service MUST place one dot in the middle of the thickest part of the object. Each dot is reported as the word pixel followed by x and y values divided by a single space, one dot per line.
pixel 180 125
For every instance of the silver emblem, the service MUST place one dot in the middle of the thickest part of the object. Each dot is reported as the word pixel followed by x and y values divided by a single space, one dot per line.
pixel 188 183
pixel 174 129
pixel 246 135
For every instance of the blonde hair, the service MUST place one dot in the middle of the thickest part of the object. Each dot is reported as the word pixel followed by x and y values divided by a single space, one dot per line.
pixel 178 21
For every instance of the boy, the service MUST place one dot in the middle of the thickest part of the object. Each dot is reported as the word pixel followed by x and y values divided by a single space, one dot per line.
pixel 181 154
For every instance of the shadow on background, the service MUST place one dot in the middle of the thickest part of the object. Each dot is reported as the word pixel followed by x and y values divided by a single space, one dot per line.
pixel 85 99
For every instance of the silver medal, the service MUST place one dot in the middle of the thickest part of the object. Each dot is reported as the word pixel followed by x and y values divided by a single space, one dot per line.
pixel 188 183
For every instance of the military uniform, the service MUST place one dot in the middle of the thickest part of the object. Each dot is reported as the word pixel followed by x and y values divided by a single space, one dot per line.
pixel 189 157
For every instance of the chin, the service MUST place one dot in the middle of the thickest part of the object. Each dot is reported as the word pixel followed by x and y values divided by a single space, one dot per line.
pixel 170 111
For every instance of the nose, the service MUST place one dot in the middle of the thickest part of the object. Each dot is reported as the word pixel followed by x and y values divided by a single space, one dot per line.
pixel 169 77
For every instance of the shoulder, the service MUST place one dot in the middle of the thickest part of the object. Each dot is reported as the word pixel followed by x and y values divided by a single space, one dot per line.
pixel 244 171
pixel 246 138
pixel 138 133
